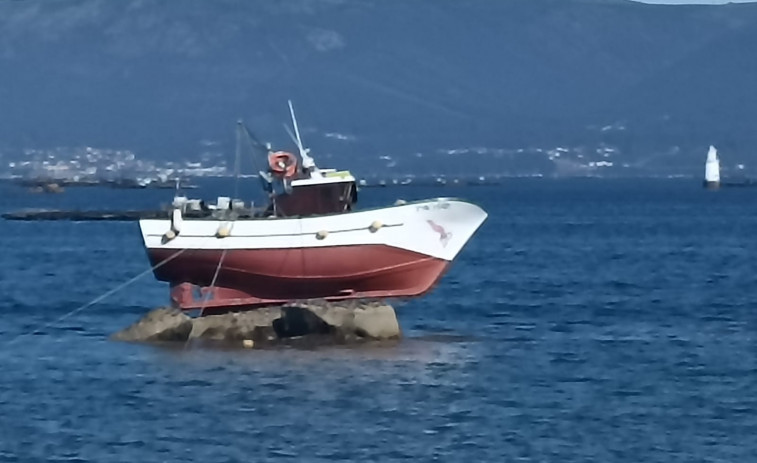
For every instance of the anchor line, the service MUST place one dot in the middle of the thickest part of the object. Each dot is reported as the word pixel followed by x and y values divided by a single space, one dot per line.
pixel 98 298
pixel 302 253
pixel 212 283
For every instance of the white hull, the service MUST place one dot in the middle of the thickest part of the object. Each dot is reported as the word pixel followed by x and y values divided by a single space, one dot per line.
pixel 437 228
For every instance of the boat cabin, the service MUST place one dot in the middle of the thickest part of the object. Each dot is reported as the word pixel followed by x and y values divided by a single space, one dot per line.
pixel 331 192
pixel 296 187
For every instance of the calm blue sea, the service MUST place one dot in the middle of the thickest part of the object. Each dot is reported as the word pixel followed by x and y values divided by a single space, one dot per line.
pixel 588 320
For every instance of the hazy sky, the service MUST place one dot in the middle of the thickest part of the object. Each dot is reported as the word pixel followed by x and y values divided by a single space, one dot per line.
pixel 696 1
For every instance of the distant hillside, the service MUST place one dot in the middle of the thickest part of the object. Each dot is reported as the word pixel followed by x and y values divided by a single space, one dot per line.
pixel 659 83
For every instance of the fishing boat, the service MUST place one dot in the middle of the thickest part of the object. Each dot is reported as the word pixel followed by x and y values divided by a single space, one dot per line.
pixel 307 242
pixel 712 170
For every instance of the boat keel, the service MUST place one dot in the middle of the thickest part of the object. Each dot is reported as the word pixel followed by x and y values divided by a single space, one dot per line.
pixel 188 296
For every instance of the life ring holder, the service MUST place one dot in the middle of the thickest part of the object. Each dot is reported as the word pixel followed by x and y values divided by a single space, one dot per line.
pixel 282 164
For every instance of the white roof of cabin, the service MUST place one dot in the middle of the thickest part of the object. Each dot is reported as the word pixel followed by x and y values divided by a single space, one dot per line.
pixel 330 176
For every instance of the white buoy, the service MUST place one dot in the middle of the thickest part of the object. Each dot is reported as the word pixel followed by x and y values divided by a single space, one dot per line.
pixel 224 230
pixel 321 235
pixel 375 226
pixel 712 170
pixel 168 236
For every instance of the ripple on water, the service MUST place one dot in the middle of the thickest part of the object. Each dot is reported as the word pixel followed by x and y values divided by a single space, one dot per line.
pixel 587 321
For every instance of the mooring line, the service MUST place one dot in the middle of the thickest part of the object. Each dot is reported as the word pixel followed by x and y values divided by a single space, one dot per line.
pixel 212 283
pixel 98 299
pixel 207 296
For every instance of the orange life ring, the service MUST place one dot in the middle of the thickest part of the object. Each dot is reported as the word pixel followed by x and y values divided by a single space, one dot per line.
pixel 283 163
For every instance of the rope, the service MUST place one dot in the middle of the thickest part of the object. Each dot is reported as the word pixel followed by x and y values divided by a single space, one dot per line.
pixel 302 252
pixel 253 142
pixel 212 283
pixel 97 299
pixel 209 293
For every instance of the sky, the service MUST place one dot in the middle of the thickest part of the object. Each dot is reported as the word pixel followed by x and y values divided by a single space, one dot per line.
pixel 701 2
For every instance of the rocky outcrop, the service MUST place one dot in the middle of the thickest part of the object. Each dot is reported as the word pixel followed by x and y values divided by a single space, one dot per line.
pixel 302 323
pixel 254 325
pixel 372 320
pixel 164 324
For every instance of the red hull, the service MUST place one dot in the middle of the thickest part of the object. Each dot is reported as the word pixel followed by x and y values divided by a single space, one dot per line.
pixel 249 278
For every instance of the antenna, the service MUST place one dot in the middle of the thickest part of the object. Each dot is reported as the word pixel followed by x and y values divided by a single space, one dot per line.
pixel 307 161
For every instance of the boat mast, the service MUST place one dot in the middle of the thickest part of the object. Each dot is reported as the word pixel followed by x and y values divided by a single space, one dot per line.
pixel 307 161
pixel 237 160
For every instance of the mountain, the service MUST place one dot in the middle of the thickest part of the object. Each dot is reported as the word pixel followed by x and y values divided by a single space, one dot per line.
pixel 407 80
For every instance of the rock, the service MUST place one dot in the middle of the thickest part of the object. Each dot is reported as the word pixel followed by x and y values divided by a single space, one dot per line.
pixel 306 323
pixel 357 319
pixel 164 324
pixel 377 321
pixel 254 325
pixel 298 321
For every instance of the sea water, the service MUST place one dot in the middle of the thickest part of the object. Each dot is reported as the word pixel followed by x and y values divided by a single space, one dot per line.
pixel 587 320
